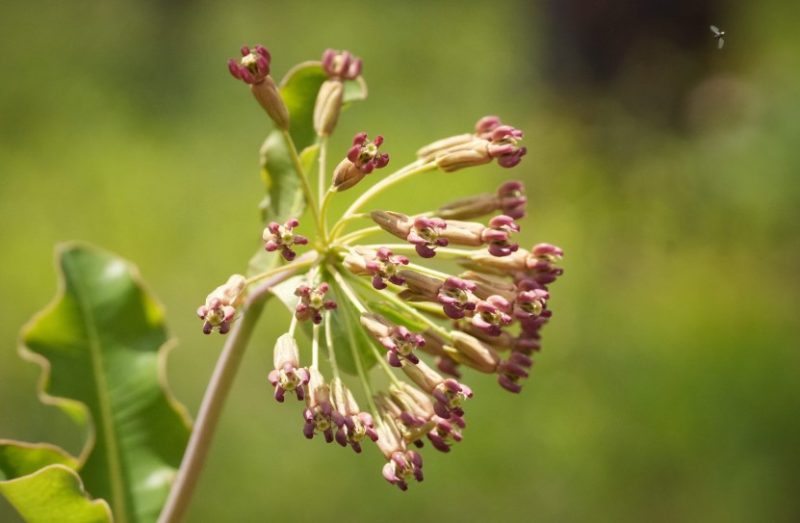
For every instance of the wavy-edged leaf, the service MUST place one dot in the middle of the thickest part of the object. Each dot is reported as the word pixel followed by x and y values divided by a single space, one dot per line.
pixel 18 458
pixel 345 318
pixel 102 346
pixel 54 494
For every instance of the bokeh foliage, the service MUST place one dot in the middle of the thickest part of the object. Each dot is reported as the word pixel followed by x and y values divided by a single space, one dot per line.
pixel 667 389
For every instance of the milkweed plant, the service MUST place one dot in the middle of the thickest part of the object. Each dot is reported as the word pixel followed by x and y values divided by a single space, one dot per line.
pixel 388 309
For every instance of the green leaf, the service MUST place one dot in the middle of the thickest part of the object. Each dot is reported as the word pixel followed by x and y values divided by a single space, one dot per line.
pixel 18 458
pixel 102 347
pixel 54 494
pixel 345 317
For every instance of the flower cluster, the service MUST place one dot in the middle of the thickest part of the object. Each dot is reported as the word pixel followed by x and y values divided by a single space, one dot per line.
pixel 387 307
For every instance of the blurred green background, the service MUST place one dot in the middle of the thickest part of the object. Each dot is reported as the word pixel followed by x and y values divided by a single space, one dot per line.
pixel 668 386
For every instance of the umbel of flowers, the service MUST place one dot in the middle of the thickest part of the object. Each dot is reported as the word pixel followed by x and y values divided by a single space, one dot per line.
pixel 431 322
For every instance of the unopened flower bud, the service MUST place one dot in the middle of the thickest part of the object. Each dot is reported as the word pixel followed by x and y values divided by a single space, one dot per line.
pixel 475 354
pixel 328 106
pixel 443 146
pixel 394 223
pixel 474 154
pixel 426 287
pixel 222 304
pixel 288 376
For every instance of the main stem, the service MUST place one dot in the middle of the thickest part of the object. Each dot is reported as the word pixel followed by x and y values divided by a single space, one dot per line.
pixel 214 399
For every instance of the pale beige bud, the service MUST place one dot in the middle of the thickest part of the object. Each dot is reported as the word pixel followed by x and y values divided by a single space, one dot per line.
pixel 443 146
pixel 487 285
pixel 375 325
pixel 463 233
pixel 393 222
pixel 356 262
pixel 328 106
pixel 475 354
pixel 268 95
pixel 470 207
pixel 286 351
pixel 425 377
pixel 346 175
pixel 485 262
pixel 475 153
pixel 421 284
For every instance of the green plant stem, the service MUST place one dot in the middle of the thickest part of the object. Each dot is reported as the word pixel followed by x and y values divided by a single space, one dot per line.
pixel 395 178
pixel 357 235
pixel 303 181
pixel 329 344
pixel 275 270
pixel 323 157
pixel 322 195
pixel 397 301
pixel 215 395
pixel 362 374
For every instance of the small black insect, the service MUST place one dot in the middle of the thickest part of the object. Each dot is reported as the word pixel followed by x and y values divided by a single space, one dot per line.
pixel 718 35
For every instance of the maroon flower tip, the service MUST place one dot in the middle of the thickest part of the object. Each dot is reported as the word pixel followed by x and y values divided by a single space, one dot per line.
pixel 425 236
pixel 312 302
pixel 364 153
pixel 341 65
pixel 487 124
pixel 253 67
pixel 282 237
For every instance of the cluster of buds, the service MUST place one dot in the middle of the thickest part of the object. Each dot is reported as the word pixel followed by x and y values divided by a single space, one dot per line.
pixel 509 199
pixel 362 158
pixel 427 233
pixel 491 140
pixel 388 304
